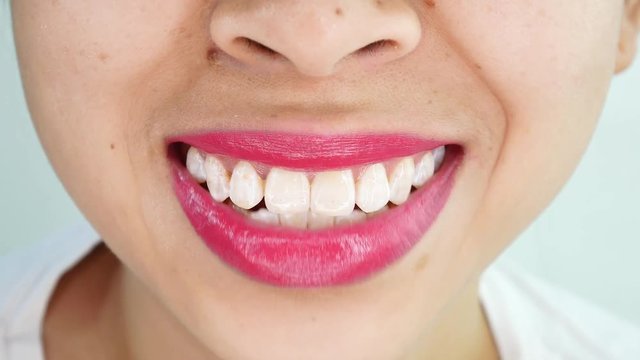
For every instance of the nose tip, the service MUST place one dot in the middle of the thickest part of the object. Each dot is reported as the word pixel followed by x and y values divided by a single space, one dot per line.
pixel 313 37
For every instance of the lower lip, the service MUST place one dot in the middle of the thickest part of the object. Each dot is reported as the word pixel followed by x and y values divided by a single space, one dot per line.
pixel 302 258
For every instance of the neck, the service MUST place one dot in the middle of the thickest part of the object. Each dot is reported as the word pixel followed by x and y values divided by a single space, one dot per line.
pixel 461 331
pixel 152 331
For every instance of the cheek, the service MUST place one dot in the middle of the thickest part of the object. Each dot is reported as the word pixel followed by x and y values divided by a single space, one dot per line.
pixel 78 62
pixel 549 64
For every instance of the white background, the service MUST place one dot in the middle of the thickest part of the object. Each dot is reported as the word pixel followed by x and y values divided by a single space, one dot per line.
pixel 588 241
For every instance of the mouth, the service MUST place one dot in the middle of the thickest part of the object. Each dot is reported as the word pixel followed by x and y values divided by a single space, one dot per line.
pixel 301 210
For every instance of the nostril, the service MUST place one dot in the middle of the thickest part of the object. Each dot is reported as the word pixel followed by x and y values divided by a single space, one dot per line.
pixel 377 47
pixel 257 48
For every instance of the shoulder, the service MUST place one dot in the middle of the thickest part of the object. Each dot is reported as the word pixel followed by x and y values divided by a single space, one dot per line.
pixel 533 319
pixel 28 277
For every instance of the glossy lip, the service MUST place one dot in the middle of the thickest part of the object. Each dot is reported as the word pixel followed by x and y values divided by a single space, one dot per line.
pixel 308 151
pixel 288 257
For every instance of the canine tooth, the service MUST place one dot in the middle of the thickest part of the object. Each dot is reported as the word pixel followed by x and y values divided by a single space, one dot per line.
pixel 355 217
pixel 195 164
pixel 400 181
pixel 318 221
pixel 297 220
pixel 333 193
pixel 438 157
pixel 246 186
pixel 217 178
pixel 424 170
pixel 264 216
pixel 286 192
pixel 372 189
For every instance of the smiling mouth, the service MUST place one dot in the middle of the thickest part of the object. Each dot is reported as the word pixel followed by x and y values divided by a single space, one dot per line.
pixel 298 210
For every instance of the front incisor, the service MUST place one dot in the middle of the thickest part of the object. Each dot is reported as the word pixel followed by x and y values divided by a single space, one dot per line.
pixel 287 192
pixel 333 193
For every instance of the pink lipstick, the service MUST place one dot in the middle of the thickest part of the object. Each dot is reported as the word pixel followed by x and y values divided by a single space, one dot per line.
pixel 288 257
pixel 308 152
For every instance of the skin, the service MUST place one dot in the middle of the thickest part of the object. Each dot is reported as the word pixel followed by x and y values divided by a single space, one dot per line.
pixel 519 84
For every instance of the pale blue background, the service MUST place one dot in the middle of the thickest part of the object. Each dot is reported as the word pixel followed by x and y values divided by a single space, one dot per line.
pixel 588 241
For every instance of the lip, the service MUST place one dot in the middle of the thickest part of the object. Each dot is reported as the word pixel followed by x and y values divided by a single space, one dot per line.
pixel 287 257
pixel 308 151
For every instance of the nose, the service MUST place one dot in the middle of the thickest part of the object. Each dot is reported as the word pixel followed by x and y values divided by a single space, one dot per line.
pixel 314 36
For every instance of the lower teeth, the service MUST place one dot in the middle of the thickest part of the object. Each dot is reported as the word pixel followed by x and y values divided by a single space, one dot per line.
pixel 308 220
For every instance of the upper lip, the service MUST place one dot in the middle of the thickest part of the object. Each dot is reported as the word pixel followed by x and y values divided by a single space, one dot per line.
pixel 308 151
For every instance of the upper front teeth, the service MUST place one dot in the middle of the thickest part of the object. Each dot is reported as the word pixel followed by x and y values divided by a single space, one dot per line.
pixel 333 193
pixel 286 192
pixel 330 198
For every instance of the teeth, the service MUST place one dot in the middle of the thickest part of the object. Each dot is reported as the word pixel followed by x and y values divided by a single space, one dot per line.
pixel 246 187
pixel 264 216
pixel 356 216
pixel 297 220
pixel 286 192
pixel 424 169
pixel 328 201
pixel 373 214
pixel 317 221
pixel 195 164
pixel 400 181
pixel 438 157
pixel 372 189
pixel 333 193
pixel 217 178
pixel 239 209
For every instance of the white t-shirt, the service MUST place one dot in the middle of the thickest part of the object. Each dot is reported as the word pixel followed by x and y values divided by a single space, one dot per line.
pixel 530 319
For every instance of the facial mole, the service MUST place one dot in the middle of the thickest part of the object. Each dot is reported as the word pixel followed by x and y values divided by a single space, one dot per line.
pixel 421 263
pixel 103 56
pixel 112 146
pixel 339 11
pixel 430 3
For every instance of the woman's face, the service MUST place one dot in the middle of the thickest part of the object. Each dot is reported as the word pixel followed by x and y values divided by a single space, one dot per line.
pixel 518 85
